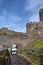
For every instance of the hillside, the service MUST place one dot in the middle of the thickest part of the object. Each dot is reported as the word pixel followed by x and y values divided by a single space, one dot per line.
pixel 37 44
pixel 34 52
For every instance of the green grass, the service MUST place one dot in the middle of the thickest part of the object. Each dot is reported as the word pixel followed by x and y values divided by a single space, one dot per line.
pixel 32 52
pixel 2 57
pixel 37 44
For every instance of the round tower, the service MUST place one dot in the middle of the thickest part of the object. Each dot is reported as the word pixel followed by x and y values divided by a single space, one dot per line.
pixel 41 14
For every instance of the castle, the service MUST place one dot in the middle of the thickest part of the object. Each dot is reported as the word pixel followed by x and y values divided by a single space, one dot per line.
pixel 33 30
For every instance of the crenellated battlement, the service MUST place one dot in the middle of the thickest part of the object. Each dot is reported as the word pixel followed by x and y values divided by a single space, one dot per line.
pixel 31 26
pixel 33 30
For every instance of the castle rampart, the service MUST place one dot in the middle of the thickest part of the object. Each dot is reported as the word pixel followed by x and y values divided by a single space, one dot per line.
pixel 33 30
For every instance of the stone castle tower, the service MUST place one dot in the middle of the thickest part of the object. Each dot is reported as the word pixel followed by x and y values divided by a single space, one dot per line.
pixel 36 28
pixel 41 14
pixel 33 30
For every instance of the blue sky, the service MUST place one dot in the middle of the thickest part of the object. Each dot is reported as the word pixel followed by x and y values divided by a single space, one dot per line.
pixel 14 14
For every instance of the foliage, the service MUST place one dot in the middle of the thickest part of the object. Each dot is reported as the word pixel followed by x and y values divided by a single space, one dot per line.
pixel 37 44
pixel 3 54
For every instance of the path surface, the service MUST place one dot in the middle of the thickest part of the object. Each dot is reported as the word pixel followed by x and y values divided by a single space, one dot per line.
pixel 17 60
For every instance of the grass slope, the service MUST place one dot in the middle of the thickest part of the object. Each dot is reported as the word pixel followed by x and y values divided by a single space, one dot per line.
pixel 37 44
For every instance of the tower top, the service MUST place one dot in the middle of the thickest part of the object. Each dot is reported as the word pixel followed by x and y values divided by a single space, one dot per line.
pixel 41 14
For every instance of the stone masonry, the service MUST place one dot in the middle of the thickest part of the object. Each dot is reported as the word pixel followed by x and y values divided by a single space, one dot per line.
pixel 33 30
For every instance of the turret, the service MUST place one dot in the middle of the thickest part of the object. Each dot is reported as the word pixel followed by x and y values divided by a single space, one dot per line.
pixel 41 14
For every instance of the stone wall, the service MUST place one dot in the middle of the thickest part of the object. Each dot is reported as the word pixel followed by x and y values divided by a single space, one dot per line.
pixel 8 38
pixel 33 30
pixel 31 27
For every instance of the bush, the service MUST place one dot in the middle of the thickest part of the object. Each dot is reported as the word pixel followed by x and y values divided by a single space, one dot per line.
pixel 3 54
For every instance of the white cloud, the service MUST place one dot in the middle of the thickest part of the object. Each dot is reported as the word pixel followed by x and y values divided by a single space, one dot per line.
pixel 31 4
pixel 8 17
pixel 15 18
pixel 34 18
pixel 20 28
pixel 17 27
pixel 12 22
pixel 9 25
pixel 34 6
pixel 1 18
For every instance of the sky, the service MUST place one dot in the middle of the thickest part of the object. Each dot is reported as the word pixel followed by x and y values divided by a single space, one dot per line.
pixel 14 14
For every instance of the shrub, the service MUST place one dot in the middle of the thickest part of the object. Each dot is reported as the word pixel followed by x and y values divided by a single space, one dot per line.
pixel 3 54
